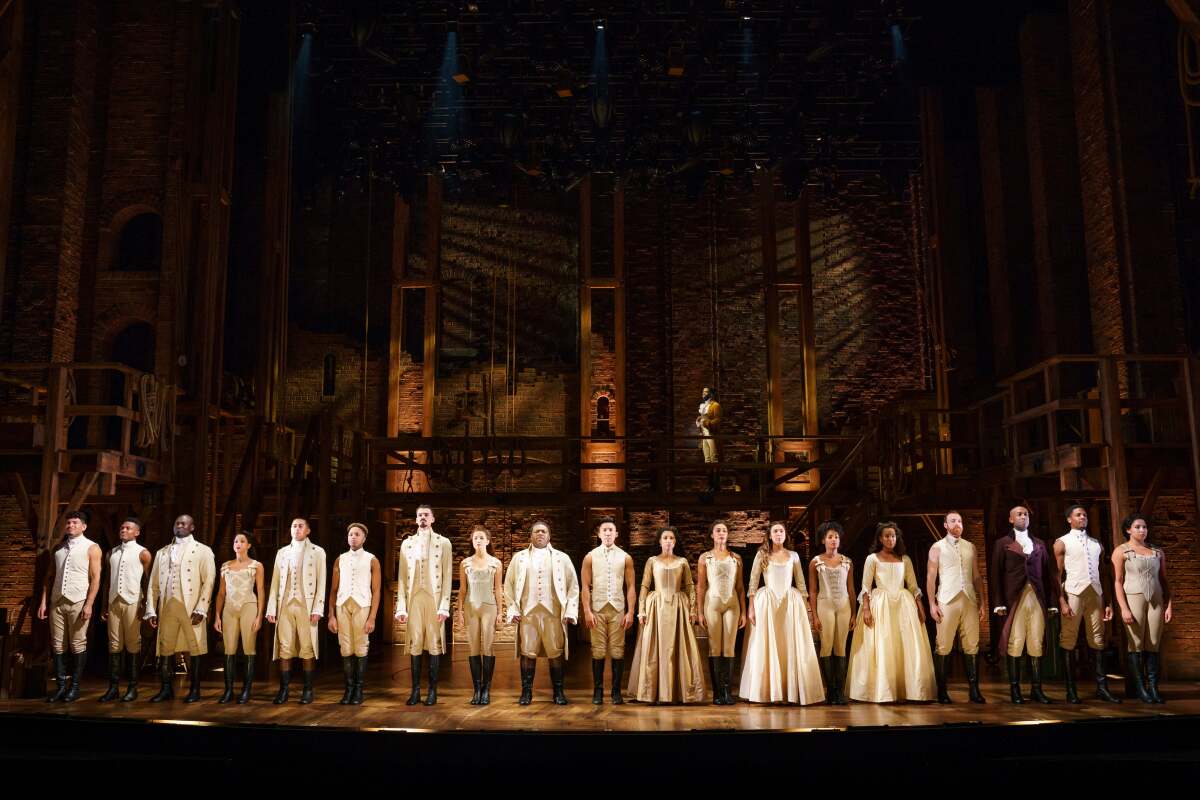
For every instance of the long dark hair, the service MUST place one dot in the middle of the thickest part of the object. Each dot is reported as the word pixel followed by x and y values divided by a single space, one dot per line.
pixel 764 549
pixel 877 545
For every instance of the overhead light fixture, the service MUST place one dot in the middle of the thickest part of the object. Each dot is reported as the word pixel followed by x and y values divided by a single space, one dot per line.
pixel 675 62
pixel 599 24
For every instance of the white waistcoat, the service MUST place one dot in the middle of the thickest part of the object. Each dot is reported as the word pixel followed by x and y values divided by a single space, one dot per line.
pixel 71 570
pixel 608 578
pixel 1081 559
pixel 125 572
pixel 956 574
pixel 354 578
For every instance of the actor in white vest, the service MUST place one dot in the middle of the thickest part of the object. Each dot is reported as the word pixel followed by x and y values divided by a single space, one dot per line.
pixel 541 592
pixel 295 607
pixel 67 599
pixel 954 587
pixel 1083 569
pixel 424 577
pixel 607 584
pixel 181 585
pixel 128 572
pixel 354 595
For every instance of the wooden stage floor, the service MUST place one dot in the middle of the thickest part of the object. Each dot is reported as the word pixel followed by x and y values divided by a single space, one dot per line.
pixel 699 746
pixel 388 684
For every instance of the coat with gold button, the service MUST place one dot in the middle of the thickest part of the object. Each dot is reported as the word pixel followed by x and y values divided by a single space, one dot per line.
pixel 562 575
pixel 311 584
pixel 197 576
pixel 441 571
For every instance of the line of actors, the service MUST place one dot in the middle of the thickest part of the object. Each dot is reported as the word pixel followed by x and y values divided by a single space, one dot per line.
pixel 788 608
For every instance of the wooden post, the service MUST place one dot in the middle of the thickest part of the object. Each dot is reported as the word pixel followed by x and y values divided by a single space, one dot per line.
pixel 55 440
pixel 585 306
pixel 1118 478
pixel 618 254
pixel 808 336
pixel 433 244
pixel 774 385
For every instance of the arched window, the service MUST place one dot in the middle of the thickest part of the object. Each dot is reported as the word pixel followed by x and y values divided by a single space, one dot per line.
pixel 603 426
pixel 329 376
pixel 140 246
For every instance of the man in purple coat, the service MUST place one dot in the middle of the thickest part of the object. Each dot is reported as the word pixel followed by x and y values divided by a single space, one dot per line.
pixel 1023 580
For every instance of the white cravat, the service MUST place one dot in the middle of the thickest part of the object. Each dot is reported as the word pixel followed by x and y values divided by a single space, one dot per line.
pixel 1023 539
pixel 297 550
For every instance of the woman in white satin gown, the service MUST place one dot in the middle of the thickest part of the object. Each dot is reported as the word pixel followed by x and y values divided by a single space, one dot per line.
pixel 890 660
pixel 779 662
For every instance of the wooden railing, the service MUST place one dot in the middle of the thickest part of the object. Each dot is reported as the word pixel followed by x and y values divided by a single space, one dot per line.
pixel 660 466
pixel 77 427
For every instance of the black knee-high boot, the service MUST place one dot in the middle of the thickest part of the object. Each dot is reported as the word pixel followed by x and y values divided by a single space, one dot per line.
pixel 485 685
pixel 348 677
pixel 414 666
pixel 1152 676
pixel 114 678
pixel 476 665
pixel 61 682
pixel 247 681
pixel 73 692
pixel 131 666
pixel 971 667
pixel 1069 676
pixel 528 670
pixel 1139 684
pixel 597 681
pixel 166 676
pixel 230 666
pixel 194 691
pixel 360 671
pixel 306 694
pixel 285 682
pixel 716 667
pixel 1102 680
pixel 618 672
pixel 939 674
pixel 557 670
pixel 434 663
pixel 1014 679
pixel 1035 681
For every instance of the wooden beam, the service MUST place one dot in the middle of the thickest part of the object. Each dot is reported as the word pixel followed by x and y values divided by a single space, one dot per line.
pixel 84 483
pixel 1150 499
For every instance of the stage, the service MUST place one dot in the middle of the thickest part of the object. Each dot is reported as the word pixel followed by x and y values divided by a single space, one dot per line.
pixel 986 736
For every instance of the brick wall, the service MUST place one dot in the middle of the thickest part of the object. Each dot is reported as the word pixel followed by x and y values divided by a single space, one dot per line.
pixel 869 324
pixel 305 375
pixel 17 560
